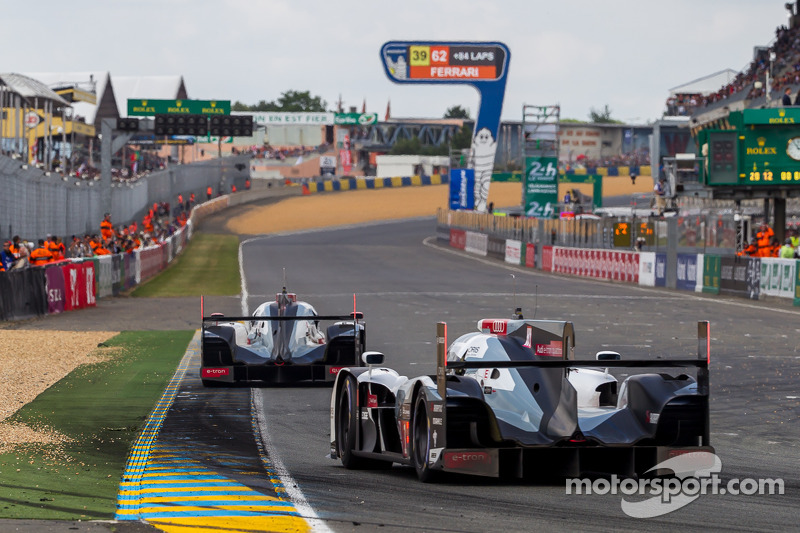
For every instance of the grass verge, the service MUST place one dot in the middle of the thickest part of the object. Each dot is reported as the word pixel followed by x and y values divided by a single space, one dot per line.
pixel 209 265
pixel 100 408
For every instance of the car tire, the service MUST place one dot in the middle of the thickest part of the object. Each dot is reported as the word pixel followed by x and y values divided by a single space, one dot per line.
pixel 421 441
pixel 347 413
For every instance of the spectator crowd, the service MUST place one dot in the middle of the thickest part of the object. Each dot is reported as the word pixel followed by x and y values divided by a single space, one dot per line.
pixel 765 244
pixel 784 71
pixel 158 224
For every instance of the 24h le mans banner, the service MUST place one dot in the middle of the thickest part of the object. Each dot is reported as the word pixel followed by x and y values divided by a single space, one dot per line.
pixel 541 186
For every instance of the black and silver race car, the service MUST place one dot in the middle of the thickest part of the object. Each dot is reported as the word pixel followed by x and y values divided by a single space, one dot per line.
pixel 280 342
pixel 511 400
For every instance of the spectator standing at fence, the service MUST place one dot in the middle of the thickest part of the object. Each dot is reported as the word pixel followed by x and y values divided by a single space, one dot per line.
pixel 40 255
pixel 659 189
pixel 75 249
pixel 764 240
pixel 106 228
pixel 749 250
pixel 7 257
pixel 24 256
pixel 787 250
pixel 57 248
pixel 15 246
pixel 787 97
pixel 795 238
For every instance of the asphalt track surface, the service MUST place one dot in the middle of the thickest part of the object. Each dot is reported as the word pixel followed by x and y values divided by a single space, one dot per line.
pixel 405 284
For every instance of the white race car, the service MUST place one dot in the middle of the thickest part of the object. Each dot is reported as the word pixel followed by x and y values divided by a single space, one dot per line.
pixel 510 399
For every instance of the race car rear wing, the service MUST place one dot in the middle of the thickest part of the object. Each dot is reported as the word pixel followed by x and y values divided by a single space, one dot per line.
pixel 355 316
pixel 565 361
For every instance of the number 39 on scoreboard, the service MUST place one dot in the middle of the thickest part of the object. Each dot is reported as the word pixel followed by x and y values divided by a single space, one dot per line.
pixel 425 56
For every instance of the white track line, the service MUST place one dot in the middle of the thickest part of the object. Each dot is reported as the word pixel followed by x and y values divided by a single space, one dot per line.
pixel 256 396
pixel 288 482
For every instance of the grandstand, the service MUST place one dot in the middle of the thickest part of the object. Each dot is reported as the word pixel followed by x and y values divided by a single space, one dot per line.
pixel 760 83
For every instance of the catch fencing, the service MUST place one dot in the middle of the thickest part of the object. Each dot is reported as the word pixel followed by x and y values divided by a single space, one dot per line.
pixel 35 203
pixel 692 253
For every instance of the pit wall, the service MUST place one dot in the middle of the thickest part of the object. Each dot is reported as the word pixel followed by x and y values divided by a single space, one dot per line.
pixel 745 277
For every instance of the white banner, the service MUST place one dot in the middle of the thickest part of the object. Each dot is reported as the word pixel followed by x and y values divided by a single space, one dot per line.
pixel 777 277
pixel 477 243
pixel 267 118
pixel 513 251
pixel 700 267
pixel 647 269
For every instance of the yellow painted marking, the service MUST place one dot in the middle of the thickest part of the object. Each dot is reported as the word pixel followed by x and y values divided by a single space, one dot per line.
pixel 416 180
pixel 397 182
pixel 276 524
pixel 361 183
pixel 255 497
pixel 194 488
pixel 198 508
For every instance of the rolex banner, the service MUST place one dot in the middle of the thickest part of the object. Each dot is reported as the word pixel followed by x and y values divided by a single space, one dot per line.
pixel 541 186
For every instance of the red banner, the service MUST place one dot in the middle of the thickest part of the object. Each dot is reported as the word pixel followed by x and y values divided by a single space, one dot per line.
pixel 79 285
pixel 602 264
pixel 547 258
pixel 458 238
pixel 530 255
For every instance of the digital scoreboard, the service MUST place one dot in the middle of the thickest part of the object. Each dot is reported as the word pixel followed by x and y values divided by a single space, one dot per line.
pixel 762 149
pixel 420 62
pixel 479 64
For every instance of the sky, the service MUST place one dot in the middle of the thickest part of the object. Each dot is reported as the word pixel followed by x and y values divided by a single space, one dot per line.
pixel 579 54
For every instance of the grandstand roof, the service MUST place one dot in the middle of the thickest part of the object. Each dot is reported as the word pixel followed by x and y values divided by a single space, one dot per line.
pixel 31 89
pixel 707 84
pixel 113 92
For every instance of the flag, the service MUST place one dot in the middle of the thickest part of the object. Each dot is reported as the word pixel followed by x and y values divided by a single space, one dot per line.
pixel 388 110
pixel 364 106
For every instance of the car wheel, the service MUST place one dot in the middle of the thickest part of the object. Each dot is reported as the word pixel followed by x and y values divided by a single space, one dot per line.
pixel 421 441
pixel 347 413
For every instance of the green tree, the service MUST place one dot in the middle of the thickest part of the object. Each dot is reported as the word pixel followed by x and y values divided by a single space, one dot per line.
pixel 462 139
pixel 301 101
pixel 411 146
pixel 290 101
pixel 456 111
pixel 602 116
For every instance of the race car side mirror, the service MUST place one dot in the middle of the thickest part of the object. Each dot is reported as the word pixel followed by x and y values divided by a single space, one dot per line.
pixel 608 356
pixel 372 358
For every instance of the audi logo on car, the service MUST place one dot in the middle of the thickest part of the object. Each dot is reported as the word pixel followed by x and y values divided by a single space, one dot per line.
pixel 495 327
pixel 465 459
pixel 215 372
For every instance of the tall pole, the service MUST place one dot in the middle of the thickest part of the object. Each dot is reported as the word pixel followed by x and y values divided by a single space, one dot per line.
pixel 106 127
